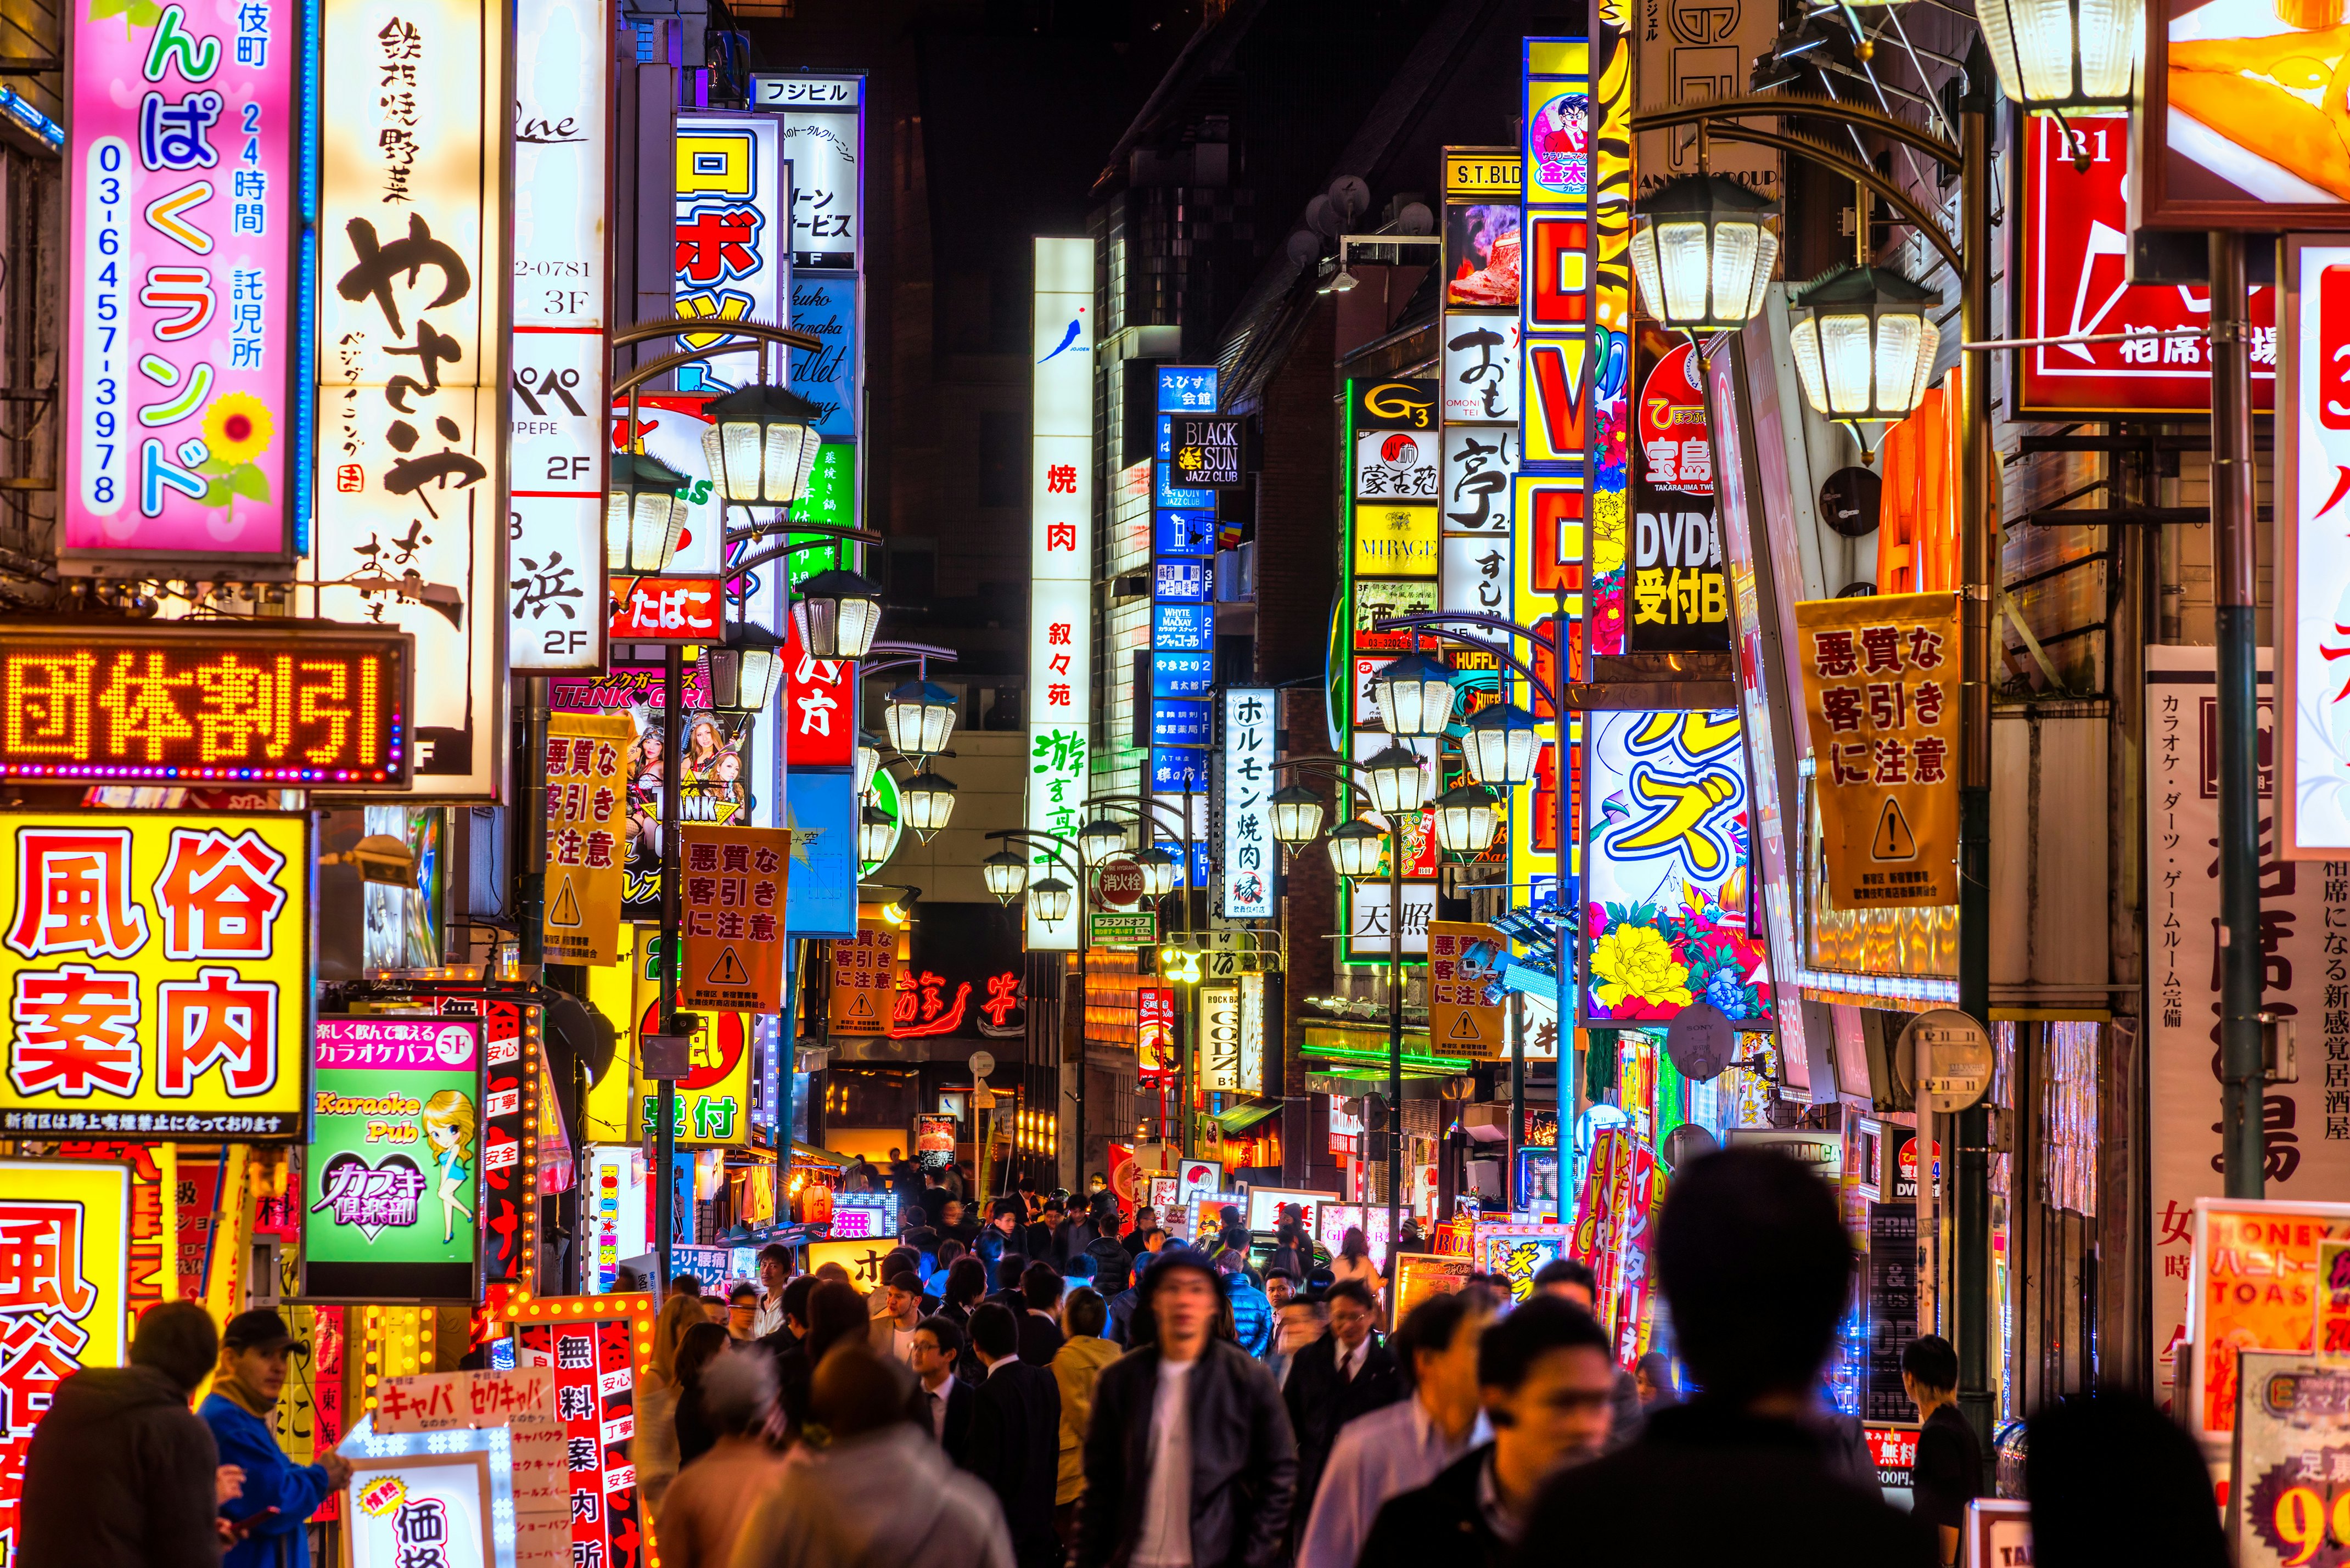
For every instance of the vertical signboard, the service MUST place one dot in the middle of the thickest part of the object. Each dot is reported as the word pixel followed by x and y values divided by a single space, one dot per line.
pixel 733 255
pixel 732 909
pixel 864 980
pixel 1483 380
pixel 411 362
pixel 556 395
pixel 1680 600
pixel 820 814
pixel 2306 1135
pixel 1465 1012
pixel 822 120
pixel 587 832
pixel 186 328
pixel 1060 617
pixel 598 1345
pixel 1248 860
pixel 2312 469
pixel 1688 51
pixel 1184 537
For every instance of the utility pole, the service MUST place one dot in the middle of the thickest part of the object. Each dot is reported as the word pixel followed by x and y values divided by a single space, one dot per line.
pixel 665 1098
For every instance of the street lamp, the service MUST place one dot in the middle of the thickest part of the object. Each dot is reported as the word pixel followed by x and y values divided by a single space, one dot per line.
pixel 1006 873
pixel 761 445
pixel 1399 783
pixel 644 511
pixel 1297 815
pixel 1355 848
pixel 875 830
pixel 1414 694
pixel 2063 53
pixel 836 612
pixel 1101 838
pixel 927 800
pixel 1466 819
pixel 1702 252
pixel 1864 347
pixel 1049 900
pixel 1500 746
pixel 743 669
pixel 869 760
pixel 918 717
pixel 1159 869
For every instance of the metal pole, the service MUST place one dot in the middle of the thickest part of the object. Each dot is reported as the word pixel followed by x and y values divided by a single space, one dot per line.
pixel 1968 1167
pixel 2240 846
pixel 665 1102
pixel 1078 1181
pixel 1395 1039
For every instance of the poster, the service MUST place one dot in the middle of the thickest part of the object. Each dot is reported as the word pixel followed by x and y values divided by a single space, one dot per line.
pixel 864 979
pixel 1467 1016
pixel 2225 139
pixel 67 1228
pixel 158 970
pixel 2252 1284
pixel 586 842
pixel 447 1496
pixel 1481 228
pixel 185 329
pixel 2289 1503
pixel 308 1417
pixel 1679 596
pixel 733 255
pixel 1665 870
pixel 1881 709
pixel 1422 1275
pixel 731 905
pixel 713 1102
pixel 521 1401
pixel 393 1180
pixel 2307 1144
pixel 412 372
pixel 597 1347
pixel 863 1259
pixel 1517 1252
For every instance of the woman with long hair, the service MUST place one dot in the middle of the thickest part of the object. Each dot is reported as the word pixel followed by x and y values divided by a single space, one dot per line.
pixel 653 1450
pixel 702 1344
pixel 1354 1260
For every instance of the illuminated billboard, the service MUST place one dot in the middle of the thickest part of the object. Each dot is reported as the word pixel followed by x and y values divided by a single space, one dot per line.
pixel 1060 618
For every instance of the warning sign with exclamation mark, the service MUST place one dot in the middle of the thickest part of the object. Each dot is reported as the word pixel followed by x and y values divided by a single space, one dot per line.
pixel 731 899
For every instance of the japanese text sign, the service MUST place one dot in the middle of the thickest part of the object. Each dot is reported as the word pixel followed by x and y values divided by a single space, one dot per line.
pixel 733 256
pixel 820 694
pixel 440 1500
pixel 1250 855
pixel 1517 1252
pixel 522 1400
pixel 182 345
pixel 1061 488
pixel 666 610
pixel 1881 706
pixel 411 316
pixel 864 979
pixel 1155 1050
pixel 587 830
pixel 392 1187
pixel 2253 1285
pixel 157 967
pixel 1466 1015
pixel 555 397
pixel 593 1345
pixel 2290 1502
pixel 65 1283
pixel 2312 477
pixel 823 137
pixel 1679 596
pixel 732 903
pixel 192 703
pixel 713 1104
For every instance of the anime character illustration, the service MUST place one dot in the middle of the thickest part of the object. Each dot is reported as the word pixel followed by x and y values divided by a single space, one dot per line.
pixel 449 1127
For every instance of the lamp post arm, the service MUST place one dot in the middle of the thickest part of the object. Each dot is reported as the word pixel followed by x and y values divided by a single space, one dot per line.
pixel 1716 114
pixel 1328 766
pixel 828 530
pixel 1438 625
pixel 1030 837
pixel 1892 195
pixel 1142 806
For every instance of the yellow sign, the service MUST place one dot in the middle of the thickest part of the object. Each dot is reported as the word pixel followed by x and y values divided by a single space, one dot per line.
pixel 612 992
pixel 1465 1013
pixel 587 828
pixel 1491 173
pixel 864 979
pixel 1881 701
pixel 863 1260
pixel 157 967
pixel 1395 541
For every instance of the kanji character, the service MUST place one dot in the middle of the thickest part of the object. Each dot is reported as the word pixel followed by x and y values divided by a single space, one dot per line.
pixel 76 1029
pixel 73 892
pixel 1833 653
pixel 219 895
pixel 218 1017
pixel 41 1259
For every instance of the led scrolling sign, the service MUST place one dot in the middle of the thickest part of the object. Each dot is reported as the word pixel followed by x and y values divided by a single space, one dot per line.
pixel 227 705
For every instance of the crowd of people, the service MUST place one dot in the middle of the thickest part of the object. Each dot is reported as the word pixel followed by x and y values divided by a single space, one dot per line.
pixel 1056 1386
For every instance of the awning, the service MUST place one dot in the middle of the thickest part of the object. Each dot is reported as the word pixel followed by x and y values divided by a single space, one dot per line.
pixel 1246 1114
pixel 808 1154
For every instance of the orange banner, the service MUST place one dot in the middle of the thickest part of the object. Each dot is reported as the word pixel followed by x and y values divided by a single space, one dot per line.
pixel 732 903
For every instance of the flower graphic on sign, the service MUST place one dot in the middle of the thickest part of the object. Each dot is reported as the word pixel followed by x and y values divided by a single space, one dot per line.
pixel 237 431
pixel 1637 966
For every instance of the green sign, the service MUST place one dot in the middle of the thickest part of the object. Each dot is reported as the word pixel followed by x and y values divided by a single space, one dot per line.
pixel 883 793
pixel 392 1178
pixel 831 499
pixel 1122 929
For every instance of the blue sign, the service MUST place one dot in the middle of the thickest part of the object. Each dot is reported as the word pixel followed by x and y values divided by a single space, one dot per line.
pixel 1187 389
pixel 1172 766
pixel 827 308
pixel 1182 674
pixel 1165 492
pixel 820 895
pixel 1184 533
pixel 1163 448
pixel 1183 582
pixel 1180 722
pixel 1183 629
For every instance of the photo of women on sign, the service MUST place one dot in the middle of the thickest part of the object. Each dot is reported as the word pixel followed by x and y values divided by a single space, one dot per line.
pixel 1480 254
pixel 449 1127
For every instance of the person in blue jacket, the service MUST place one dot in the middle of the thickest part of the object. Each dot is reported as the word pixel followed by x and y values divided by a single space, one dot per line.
pixel 254 1349
pixel 1251 1308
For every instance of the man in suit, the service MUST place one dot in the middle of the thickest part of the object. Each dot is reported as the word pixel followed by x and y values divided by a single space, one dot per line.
pixel 892 1332
pixel 943 1401
pixel 1040 1323
pixel 1015 1436
pixel 1344 1374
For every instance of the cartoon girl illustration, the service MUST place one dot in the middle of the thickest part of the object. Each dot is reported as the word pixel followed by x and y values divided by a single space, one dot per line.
pixel 449 1128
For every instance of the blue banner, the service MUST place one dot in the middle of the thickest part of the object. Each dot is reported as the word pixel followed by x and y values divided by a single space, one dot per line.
pixel 1179 721
pixel 1183 582
pixel 1187 389
pixel 827 308
pixel 1184 533
pixel 1166 493
pixel 1182 674
pixel 1183 629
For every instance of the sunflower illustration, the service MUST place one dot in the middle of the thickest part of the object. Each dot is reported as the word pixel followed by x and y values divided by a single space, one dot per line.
pixel 237 428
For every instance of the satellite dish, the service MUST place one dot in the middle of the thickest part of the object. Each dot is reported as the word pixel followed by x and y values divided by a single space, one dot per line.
pixel 1351 195
pixel 1700 1042
pixel 1687 1142
pixel 1323 219
pixel 1304 247
pixel 1415 219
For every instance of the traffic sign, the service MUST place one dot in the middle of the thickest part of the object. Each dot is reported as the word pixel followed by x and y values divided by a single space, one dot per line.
pixel 982 1063
pixel 1120 884
pixel 1957 1065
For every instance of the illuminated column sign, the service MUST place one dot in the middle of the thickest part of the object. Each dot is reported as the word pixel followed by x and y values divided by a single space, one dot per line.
pixel 734 251
pixel 1245 873
pixel 556 395
pixel 1481 382
pixel 411 398
pixel 1183 605
pixel 1060 617
pixel 187 324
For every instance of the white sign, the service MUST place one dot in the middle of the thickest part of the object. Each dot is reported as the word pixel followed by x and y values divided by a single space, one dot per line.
pixel 1245 872
pixel 1473 578
pixel 1480 368
pixel 1373 904
pixel 411 344
pixel 1219 1039
pixel 2312 578
pixel 733 258
pixel 555 397
pixel 1685 51
pixel 1481 466
pixel 1060 617
pixel 823 135
pixel 2308 1145
pixel 521 1399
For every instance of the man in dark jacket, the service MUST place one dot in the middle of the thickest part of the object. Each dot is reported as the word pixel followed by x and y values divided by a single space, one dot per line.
pixel 943 1401
pixel 1546 1374
pixel 1040 1322
pixel 1004 1234
pixel 1752 1261
pixel 1344 1374
pixel 1188 1455
pixel 121 1473
pixel 1015 1436
pixel 279 1494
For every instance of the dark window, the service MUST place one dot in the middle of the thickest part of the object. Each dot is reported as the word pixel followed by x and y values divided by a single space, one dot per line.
pixel 1001 459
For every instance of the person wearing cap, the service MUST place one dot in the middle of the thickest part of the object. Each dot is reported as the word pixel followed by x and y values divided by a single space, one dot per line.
pixel 1188 1458
pixel 245 1387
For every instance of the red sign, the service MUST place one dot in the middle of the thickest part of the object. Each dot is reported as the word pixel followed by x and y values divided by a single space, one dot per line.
pixel 666 610
pixel 595 1388
pixel 2329 379
pixel 2075 264
pixel 1894 1451
pixel 820 707
pixel 1120 884
pixel 1154 1031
